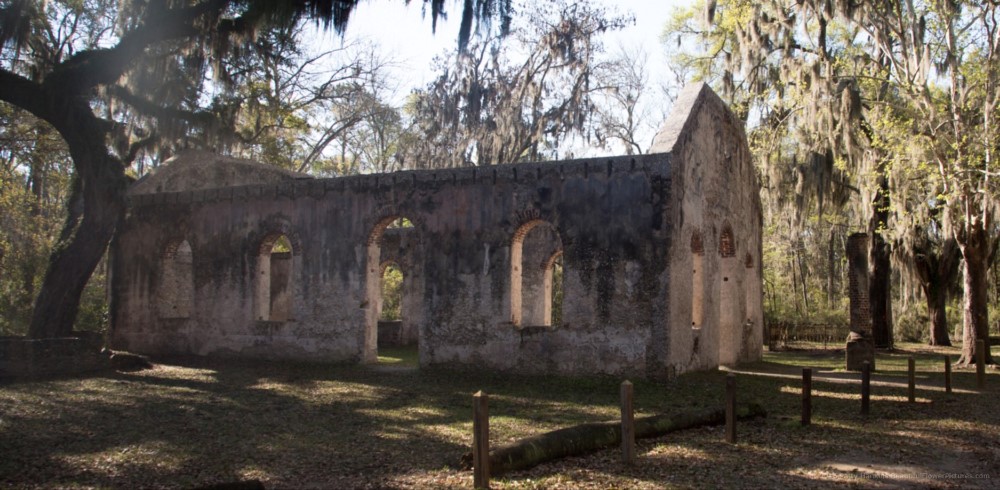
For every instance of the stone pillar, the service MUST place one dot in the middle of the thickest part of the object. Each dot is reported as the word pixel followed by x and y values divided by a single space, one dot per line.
pixel 860 345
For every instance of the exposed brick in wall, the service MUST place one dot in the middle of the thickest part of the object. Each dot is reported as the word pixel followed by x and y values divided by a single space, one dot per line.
pixel 727 244
pixel 697 244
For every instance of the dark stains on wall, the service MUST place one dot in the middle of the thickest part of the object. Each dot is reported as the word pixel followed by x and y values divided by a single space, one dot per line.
pixel 614 218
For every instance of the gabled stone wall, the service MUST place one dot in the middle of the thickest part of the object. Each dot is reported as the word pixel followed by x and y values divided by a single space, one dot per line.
pixel 475 261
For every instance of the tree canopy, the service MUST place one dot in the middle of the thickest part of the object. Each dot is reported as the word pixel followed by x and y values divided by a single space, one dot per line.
pixel 895 101
pixel 119 81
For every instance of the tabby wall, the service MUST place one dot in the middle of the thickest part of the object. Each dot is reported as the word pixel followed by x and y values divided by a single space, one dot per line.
pixel 479 260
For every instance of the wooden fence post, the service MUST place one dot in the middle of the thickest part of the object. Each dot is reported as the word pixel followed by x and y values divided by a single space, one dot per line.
pixel 981 363
pixel 628 424
pixel 731 408
pixel 947 374
pixel 866 388
pixel 480 441
pixel 911 386
pixel 807 377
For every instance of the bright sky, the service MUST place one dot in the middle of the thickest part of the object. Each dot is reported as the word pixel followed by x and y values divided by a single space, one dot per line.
pixel 405 35
pixel 403 30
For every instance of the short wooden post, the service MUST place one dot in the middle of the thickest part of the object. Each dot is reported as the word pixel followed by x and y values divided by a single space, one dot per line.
pixel 947 374
pixel 807 379
pixel 981 363
pixel 911 387
pixel 731 408
pixel 628 424
pixel 866 387
pixel 480 441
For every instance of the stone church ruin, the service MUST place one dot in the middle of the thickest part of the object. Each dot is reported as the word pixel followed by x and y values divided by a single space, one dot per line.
pixel 652 262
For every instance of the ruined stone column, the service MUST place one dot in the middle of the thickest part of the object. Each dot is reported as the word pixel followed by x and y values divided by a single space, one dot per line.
pixel 860 345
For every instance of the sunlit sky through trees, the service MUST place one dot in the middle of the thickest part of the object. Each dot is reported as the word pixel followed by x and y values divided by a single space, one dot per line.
pixel 404 35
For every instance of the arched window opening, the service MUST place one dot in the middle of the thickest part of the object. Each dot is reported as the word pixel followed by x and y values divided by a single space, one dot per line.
pixel 399 223
pixel 384 284
pixel 392 293
pixel 535 249
pixel 729 302
pixel 697 280
pixel 176 289
pixel 274 279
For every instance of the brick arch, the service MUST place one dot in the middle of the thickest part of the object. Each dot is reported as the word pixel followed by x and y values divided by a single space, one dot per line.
pixel 526 219
pixel 383 222
pixel 727 242
pixel 524 228
pixel 272 236
pixel 549 262
pixel 386 263
pixel 697 243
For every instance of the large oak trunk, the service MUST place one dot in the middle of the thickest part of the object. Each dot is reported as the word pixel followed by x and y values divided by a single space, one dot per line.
pixel 975 318
pixel 95 209
pixel 880 277
pixel 937 299
pixel 935 266
pixel 880 294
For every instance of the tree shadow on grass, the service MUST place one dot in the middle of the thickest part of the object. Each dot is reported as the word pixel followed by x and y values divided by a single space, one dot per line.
pixel 293 425
pixel 899 444
pixel 149 429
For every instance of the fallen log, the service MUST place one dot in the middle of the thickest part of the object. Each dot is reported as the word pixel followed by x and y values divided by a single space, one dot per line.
pixel 586 438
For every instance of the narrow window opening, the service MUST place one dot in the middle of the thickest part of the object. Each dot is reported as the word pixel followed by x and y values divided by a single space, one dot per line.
pixel 730 305
pixel 274 279
pixel 176 291
pixel 697 291
pixel 556 279
pixel 535 249
pixel 697 280
pixel 385 288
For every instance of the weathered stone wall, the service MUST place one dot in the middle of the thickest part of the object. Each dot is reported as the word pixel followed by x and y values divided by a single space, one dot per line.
pixel 473 262
pixel 716 236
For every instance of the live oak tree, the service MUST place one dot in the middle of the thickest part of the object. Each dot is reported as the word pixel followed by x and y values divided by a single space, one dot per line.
pixel 34 183
pixel 944 59
pixel 490 107
pixel 921 77
pixel 786 74
pixel 115 79
pixel 619 109
pixel 294 103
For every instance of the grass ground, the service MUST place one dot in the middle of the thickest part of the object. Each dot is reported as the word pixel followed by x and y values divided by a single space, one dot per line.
pixel 198 422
